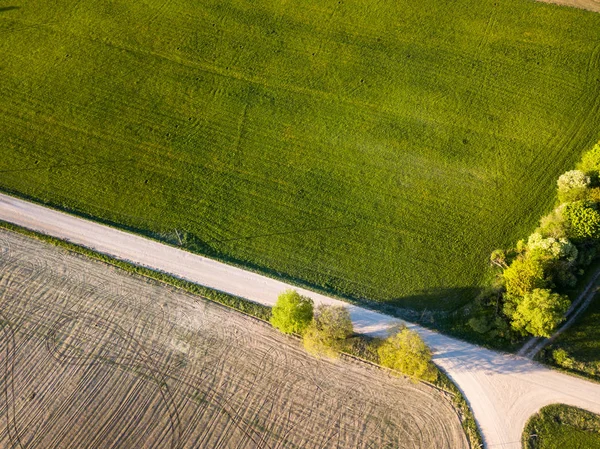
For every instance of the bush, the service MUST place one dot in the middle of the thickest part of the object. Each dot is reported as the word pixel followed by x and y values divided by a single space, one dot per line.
pixel 539 312
pixel 481 325
pixel 572 186
pixel 523 276
pixel 292 313
pixel 590 163
pixel 583 220
pixel 328 331
pixel 407 353
pixel 593 194
pixel 498 258
pixel 561 357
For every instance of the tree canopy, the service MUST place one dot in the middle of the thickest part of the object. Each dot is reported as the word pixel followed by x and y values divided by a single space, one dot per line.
pixel 540 312
pixel 407 353
pixel 583 220
pixel 524 275
pixel 292 313
pixel 326 334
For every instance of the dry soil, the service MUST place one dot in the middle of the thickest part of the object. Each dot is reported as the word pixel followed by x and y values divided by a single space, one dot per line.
pixel 93 357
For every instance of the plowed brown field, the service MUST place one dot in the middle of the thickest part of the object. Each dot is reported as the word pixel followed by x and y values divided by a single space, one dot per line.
pixel 96 358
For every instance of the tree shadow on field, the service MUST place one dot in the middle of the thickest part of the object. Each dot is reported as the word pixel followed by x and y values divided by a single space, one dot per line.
pixel 8 8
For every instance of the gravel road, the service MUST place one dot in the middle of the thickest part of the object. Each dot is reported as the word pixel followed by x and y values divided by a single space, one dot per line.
pixel 503 390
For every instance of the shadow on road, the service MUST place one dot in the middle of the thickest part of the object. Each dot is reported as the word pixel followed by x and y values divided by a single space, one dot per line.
pixel 474 358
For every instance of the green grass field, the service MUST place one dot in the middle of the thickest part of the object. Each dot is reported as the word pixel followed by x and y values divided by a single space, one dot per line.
pixel 378 149
pixel 562 427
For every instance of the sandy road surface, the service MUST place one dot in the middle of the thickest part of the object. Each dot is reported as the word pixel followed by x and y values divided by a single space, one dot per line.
pixel 590 5
pixel 503 390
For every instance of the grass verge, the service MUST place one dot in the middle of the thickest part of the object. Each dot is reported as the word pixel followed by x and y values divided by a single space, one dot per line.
pixel 559 426
pixel 581 345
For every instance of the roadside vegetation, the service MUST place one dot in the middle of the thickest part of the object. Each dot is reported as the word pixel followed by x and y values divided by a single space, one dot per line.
pixel 562 427
pixel 577 350
pixel 530 296
pixel 326 331
pixel 370 149
pixel 292 313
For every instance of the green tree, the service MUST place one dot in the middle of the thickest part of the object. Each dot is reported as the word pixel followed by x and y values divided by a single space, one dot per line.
pixel 590 163
pixel 539 312
pixel 554 224
pixel 572 186
pixel 407 353
pixel 583 220
pixel 562 358
pixel 328 331
pixel 523 275
pixel 292 313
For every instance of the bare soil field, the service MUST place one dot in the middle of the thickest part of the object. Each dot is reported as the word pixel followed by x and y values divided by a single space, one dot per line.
pixel 93 357
pixel 590 5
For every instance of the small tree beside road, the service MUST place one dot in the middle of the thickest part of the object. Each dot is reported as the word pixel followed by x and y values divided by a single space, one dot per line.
pixel 328 331
pixel 292 313
pixel 407 353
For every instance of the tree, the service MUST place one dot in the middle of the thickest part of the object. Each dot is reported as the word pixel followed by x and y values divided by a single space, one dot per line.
pixel 572 186
pixel 292 313
pixel 329 329
pixel 523 275
pixel 590 163
pixel 407 353
pixel 539 312
pixel 498 258
pixel 583 220
pixel 551 248
pixel 554 224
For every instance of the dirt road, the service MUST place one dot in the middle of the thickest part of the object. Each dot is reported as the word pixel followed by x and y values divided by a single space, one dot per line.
pixel 503 390
pixel 590 5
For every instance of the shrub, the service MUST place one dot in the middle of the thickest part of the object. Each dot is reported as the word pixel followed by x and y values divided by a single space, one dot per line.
pixel 590 163
pixel 561 357
pixel 292 313
pixel 562 273
pixel 583 220
pixel 572 186
pixel 539 312
pixel 498 258
pixel 524 275
pixel 593 195
pixel 407 353
pixel 326 334
pixel 481 325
